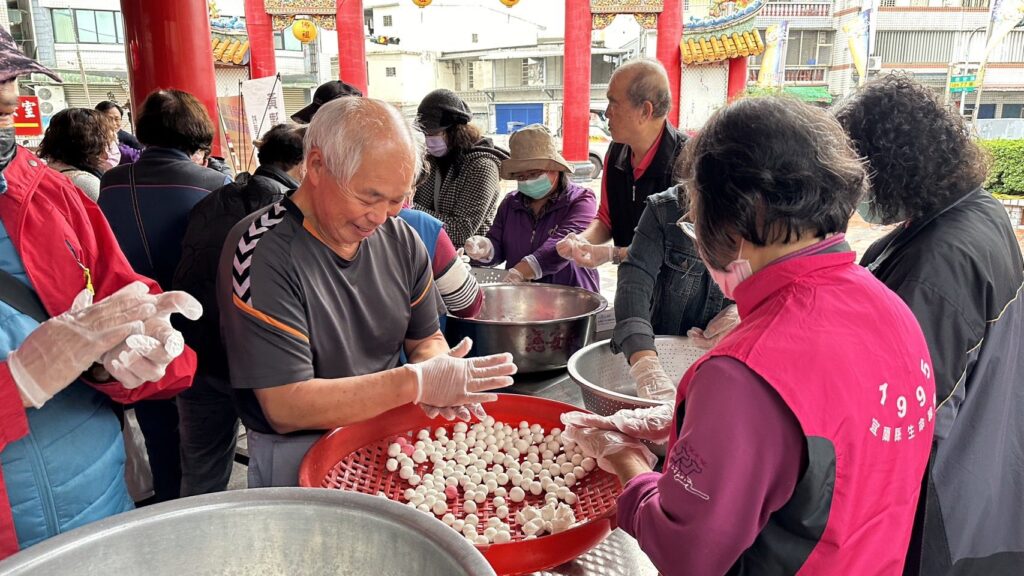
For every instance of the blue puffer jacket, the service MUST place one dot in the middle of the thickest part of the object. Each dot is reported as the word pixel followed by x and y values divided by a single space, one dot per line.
pixel 69 470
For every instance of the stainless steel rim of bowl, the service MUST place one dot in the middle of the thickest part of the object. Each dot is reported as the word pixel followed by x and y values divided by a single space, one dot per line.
pixel 465 554
pixel 578 378
pixel 602 305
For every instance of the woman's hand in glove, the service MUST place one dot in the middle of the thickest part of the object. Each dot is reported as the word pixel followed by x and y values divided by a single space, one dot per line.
pixel 651 424
pixel 719 327
pixel 602 444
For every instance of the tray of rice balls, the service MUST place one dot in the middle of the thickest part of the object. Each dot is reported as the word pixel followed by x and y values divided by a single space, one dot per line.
pixel 511 484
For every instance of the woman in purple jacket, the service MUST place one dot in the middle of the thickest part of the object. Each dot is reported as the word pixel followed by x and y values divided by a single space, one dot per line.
pixel 530 221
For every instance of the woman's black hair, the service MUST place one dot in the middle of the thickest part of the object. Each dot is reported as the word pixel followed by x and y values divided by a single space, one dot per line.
pixel 174 119
pixel 282 146
pixel 107 106
pixel 769 170
pixel 921 157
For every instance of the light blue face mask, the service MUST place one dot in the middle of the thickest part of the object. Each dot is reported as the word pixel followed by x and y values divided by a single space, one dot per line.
pixel 537 188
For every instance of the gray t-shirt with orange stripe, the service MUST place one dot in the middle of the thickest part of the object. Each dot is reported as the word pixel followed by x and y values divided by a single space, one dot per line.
pixel 293 310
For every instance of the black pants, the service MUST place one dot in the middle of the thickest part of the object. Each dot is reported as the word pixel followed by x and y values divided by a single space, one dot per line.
pixel 158 420
pixel 209 431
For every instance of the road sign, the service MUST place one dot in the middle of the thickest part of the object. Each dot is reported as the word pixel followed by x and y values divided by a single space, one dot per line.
pixel 27 119
pixel 960 84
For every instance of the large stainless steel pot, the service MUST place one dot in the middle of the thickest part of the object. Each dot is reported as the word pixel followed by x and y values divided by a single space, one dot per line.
pixel 542 325
pixel 294 531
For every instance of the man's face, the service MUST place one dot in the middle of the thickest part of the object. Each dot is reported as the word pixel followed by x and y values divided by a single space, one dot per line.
pixel 8 102
pixel 114 115
pixel 348 214
pixel 624 119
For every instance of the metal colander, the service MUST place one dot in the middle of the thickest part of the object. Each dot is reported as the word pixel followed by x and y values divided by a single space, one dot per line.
pixel 487 275
pixel 603 377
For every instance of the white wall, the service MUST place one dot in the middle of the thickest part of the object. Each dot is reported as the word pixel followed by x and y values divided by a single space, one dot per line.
pixel 415 76
pixel 86 4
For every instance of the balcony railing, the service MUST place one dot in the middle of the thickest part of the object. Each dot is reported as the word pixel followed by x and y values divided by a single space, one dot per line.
pixel 797 9
pixel 794 74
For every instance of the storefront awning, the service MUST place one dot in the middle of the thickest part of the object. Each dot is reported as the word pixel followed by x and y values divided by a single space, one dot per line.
pixel 819 94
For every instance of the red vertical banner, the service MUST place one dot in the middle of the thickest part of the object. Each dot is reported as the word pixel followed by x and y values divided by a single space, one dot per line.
pixel 576 80
pixel 670 35
pixel 351 44
pixel 27 119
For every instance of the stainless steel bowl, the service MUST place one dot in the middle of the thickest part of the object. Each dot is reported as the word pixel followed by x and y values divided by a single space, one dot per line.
pixel 542 325
pixel 603 376
pixel 295 531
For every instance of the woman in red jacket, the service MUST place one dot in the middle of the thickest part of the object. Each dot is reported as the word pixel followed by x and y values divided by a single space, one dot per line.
pixel 806 430
pixel 60 444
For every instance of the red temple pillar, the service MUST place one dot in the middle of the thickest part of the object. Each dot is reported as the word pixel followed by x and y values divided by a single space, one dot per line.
pixel 737 77
pixel 351 44
pixel 261 40
pixel 576 81
pixel 168 46
pixel 670 34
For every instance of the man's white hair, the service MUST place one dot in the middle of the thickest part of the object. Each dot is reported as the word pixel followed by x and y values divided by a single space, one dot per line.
pixel 650 84
pixel 343 129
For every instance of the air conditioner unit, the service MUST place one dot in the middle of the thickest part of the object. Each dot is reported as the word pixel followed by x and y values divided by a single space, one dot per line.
pixel 874 63
pixel 51 99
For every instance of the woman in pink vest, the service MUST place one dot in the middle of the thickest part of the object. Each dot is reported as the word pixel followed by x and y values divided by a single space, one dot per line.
pixel 797 445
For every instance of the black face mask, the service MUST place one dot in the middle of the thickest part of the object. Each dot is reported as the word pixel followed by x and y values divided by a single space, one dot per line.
pixel 8 146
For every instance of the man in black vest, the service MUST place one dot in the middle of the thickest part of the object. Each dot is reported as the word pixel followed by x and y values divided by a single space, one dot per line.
pixel 639 162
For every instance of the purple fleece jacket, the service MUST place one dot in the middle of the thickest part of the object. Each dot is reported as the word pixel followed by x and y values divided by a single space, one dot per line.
pixel 517 233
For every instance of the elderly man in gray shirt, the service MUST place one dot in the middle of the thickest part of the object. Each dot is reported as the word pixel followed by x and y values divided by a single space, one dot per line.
pixel 321 292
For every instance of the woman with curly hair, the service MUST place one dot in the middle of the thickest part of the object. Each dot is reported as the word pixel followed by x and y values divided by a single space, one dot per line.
pixel 76 145
pixel 955 261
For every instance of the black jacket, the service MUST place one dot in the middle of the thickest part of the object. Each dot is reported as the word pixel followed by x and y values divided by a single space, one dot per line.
pixel 208 226
pixel 960 271
pixel 628 198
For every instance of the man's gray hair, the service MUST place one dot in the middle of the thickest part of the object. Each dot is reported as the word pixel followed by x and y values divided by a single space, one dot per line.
pixel 650 84
pixel 344 128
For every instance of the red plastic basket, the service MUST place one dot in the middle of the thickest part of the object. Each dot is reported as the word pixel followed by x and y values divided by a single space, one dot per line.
pixel 353 458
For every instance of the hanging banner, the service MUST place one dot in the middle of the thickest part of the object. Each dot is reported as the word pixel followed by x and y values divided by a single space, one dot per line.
pixel 233 124
pixel 1006 15
pixel 773 62
pixel 858 38
pixel 263 100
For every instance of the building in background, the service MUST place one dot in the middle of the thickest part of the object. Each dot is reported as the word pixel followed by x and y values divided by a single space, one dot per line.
pixel 932 39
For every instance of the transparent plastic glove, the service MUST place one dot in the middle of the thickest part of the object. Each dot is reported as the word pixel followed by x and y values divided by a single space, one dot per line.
pixel 565 245
pixel 464 413
pixel 454 380
pixel 144 358
pixel 600 444
pixel 651 381
pixel 718 328
pixel 479 248
pixel 461 254
pixel 583 253
pixel 513 276
pixel 63 347
pixel 651 424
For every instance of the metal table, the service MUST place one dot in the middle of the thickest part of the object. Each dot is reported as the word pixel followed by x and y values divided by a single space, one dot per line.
pixel 617 555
